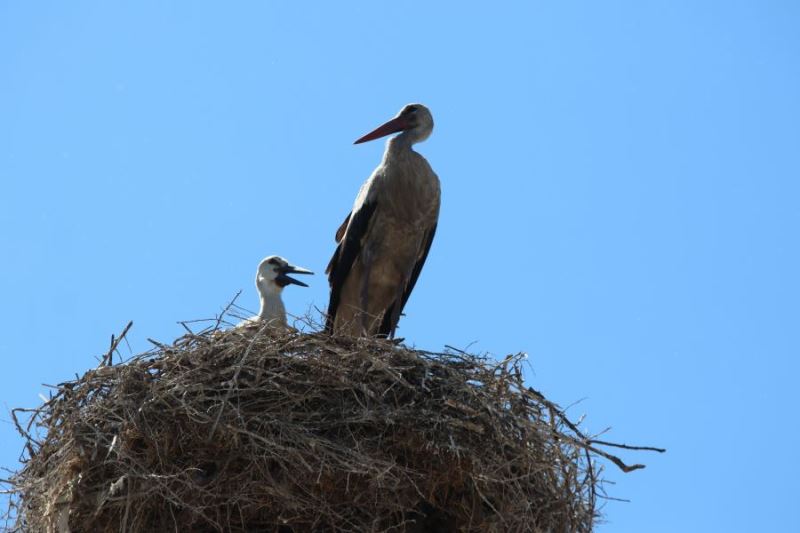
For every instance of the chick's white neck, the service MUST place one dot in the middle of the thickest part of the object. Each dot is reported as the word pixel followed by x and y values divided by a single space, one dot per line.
pixel 272 308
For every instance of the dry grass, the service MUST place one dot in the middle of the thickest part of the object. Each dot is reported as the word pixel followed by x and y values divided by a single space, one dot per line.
pixel 248 431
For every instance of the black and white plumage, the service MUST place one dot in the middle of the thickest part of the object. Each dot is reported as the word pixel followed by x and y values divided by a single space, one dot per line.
pixel 384 241
pixel 271 278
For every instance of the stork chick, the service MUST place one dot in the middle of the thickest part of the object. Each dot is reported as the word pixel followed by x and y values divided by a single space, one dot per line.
pixel 271 278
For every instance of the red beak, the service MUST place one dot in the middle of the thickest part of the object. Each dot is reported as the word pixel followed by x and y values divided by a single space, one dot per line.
pixel 393 126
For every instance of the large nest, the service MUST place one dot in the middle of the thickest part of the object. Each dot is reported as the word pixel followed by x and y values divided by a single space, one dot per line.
pixel 249 431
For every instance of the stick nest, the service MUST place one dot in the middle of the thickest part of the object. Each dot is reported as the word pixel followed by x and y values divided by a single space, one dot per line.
pixel 249 431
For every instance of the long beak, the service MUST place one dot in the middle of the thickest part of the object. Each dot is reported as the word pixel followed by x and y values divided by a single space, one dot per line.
pixel 393 126
pixel 282 279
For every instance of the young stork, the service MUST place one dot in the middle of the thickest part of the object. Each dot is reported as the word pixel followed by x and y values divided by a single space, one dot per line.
pixel 385 239
pixel 271 278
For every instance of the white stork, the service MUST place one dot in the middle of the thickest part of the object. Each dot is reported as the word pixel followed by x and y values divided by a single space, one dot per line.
pixel 385 239
pixel 271 278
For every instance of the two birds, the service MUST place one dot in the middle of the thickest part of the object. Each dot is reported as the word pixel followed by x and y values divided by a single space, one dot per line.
pixel 382 243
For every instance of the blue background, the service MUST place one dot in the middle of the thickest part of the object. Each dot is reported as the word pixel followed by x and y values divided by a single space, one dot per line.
pixel 620 200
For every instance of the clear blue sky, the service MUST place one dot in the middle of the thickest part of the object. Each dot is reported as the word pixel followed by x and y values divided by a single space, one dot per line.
pixel 620 200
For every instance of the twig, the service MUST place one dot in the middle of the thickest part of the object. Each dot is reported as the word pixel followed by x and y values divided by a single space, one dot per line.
pixel 627 447
pixel 157 344
pixel 587 442
pixel 25 434
pixel 107 360
pixel 225 311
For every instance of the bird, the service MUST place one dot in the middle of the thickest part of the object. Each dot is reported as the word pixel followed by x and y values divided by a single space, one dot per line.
pixel 384 241
pixel 271 278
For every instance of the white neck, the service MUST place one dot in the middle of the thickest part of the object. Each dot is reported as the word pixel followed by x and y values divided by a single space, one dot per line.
pixel 272 309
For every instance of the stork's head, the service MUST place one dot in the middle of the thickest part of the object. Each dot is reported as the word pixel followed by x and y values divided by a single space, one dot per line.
pixel 414 120
pixel 272 274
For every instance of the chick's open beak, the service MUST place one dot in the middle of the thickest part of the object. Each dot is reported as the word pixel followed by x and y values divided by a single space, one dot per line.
pixel 283 280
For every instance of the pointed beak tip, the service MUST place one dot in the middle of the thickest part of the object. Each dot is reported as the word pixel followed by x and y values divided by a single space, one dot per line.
pixel 288 280
pixel 393 126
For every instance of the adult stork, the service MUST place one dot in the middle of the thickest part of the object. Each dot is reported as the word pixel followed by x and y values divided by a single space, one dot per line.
pixel 385 239
pixel 271 278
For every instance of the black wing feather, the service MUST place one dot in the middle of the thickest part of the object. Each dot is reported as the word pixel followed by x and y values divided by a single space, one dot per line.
pixel 345 255
pixel 392 315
